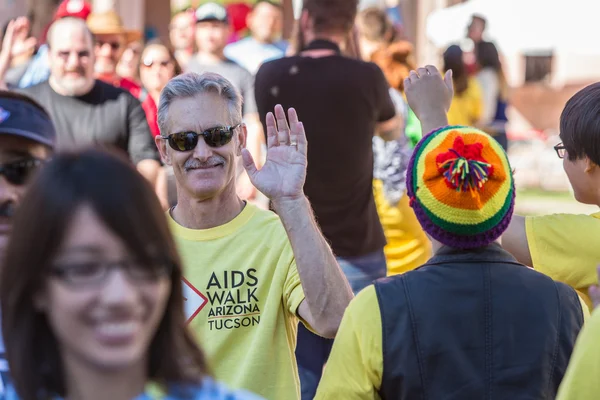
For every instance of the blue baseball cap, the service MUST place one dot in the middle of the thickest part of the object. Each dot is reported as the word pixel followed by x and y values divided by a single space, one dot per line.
pixel 22 116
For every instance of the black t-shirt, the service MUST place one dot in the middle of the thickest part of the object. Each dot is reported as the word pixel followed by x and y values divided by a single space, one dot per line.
pixel 339 100
pixel 106 115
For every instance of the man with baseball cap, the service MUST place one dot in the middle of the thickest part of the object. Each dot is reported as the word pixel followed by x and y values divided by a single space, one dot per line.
pixel 471 323
pixel 26 140
pixel 212 32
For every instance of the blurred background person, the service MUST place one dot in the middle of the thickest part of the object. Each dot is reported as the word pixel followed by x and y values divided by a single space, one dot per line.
pixel 475 35
pixel 467 104
pixel 111 39
pixel 407 245
pixel 212 32
pixel 159 66
pixel 100 299
pixel 181 35
pixel 495 92
pixel 343 102
pixel 265 23
pixel 129 64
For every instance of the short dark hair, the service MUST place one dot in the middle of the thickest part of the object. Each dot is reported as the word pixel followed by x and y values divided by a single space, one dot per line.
pixel 8 94
pixel 108 182
pixel 332 16
pixel 453 59
pixel 580 124
pixel 480 18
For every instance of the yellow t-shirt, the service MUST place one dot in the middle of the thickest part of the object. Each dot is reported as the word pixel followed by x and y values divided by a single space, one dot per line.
pixel 581 379
pixel 242 292
pixel 355 367
pixel 565 247
pixel 467 108
pixel 354 370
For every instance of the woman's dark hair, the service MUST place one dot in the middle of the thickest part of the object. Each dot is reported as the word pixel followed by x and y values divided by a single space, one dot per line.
pixel 158 42
pixel 453 59
pixel 580 124
pixel 487 55
pixel 123 200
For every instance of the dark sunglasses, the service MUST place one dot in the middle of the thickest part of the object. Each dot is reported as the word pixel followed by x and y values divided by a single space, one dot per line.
pixel 113 45
pixel 150 62
pixel 214 137
pixel 560 150
pixel 18 172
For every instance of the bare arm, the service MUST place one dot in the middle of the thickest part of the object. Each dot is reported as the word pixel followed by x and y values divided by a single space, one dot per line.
pixel 514 240
pixel 391 129
pixel 281 179
pixel 326 290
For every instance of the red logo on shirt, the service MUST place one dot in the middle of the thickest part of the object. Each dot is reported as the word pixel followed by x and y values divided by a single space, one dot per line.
pixel 194 300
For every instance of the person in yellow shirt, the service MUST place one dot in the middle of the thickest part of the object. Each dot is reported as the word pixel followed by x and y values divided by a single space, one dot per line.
pixel 249 274
pixel 581 380
pixel 472 323
pixel 564 246
pixel 467 105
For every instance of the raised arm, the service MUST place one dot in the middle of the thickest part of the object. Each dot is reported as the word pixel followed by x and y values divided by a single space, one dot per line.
pixel 281 179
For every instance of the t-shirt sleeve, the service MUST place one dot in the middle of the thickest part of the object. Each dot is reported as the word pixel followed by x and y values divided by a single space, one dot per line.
pixel 355 366
pixel 385 106
pixel 293 294
pixel 141 144
pixel 581 379
pixel 555 239
pixel 247 89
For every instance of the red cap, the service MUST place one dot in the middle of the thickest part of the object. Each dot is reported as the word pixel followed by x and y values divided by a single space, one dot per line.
pixel 73 8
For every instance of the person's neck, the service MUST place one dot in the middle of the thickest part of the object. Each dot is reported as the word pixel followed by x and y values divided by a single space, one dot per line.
pixel 334 38
pixel 261 41
pixel 155 95
pixel 210 58
pixel 86 383
pixel 58 89
pixel 207 213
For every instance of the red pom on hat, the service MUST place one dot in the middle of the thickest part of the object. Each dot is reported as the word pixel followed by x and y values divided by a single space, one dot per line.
pixel 73 8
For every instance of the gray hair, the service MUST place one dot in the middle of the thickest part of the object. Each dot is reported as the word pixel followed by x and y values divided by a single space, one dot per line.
pixel 190 85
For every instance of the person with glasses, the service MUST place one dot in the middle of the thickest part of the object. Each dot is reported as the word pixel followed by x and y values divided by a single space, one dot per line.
pixel 563 246
pixel 27 138
pixel 249 274
pixel 86 110
pixel 95 311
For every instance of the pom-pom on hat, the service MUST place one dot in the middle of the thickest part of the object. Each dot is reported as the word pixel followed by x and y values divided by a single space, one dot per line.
pixel 461 187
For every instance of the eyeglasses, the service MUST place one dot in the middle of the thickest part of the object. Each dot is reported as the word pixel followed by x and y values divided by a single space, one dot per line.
pixel 113 45
pixel 18 172
pixel 560 150
pixel 150 62
pixel 214 137
pixel 94 273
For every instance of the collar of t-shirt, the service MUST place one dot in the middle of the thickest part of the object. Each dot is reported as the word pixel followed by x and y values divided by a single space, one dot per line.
pixel 322 44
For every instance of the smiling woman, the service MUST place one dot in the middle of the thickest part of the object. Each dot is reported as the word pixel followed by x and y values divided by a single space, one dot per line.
pixel 95 309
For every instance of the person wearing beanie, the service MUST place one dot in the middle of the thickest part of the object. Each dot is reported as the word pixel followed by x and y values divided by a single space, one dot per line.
pixel 471 323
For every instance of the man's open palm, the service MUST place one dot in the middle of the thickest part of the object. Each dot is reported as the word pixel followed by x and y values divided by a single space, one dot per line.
pixel 283 174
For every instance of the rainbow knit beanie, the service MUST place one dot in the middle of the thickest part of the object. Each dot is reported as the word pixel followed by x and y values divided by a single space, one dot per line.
pixel 461 187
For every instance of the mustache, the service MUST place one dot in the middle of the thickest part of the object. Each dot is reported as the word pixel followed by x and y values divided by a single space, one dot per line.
pixel 194 163
pixel 7 209
pixel 79 71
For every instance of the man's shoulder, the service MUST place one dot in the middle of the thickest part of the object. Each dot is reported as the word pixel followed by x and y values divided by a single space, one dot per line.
pixel 572 221
pixel 39 88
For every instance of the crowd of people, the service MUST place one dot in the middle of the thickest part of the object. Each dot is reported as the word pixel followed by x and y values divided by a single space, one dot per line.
pixel 225 217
